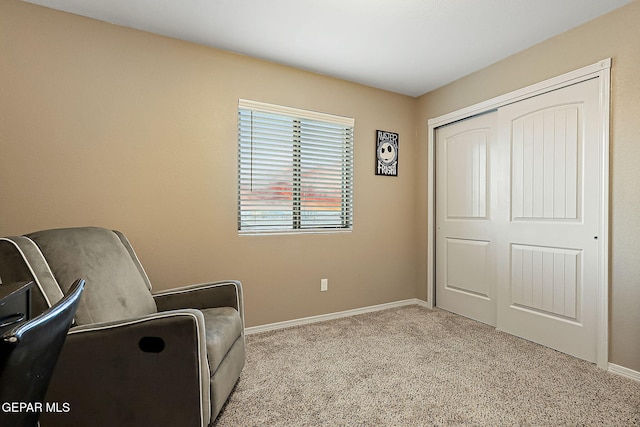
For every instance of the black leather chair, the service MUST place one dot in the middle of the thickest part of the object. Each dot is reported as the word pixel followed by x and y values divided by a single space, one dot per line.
pixel 28 354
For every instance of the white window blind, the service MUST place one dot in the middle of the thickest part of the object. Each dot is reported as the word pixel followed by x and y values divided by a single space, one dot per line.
pixel 295 169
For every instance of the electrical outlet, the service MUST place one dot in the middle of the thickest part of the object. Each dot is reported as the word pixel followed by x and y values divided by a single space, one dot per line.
pixel 324 284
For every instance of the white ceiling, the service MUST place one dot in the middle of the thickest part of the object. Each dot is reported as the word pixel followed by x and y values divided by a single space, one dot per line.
pixel 405 46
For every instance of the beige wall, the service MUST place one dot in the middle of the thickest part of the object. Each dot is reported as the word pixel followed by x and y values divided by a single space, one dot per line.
pixel 102 125
pixel 616 35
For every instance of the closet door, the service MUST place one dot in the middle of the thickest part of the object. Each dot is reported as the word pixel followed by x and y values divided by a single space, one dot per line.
pixel 465 230
pixel 548 184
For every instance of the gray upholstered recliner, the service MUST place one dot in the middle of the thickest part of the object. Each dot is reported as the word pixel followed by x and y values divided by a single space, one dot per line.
pixel 134 358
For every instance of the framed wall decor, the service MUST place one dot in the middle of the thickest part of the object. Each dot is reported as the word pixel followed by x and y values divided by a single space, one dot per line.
pixel 386 153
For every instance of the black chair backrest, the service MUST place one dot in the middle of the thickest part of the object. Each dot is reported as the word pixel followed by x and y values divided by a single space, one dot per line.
pixel 28 354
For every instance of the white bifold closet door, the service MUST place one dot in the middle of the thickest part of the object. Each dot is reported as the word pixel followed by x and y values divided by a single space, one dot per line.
pixel 517 218
pixel 465 226
pixel 549 176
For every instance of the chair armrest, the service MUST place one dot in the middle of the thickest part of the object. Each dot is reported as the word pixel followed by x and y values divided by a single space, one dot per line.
pixel 205 295
pixel 147 371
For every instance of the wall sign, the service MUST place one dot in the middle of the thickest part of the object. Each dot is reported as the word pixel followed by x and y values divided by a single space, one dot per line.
pixel 386 153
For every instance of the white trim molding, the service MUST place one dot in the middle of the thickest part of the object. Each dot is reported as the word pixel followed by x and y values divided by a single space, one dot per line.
pixel 600 70
pixel 295 112
pixel 624 372
pixel 331 316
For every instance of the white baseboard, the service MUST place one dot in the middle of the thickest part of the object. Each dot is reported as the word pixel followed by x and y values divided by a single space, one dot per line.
pixel 331 316
pixel 625 372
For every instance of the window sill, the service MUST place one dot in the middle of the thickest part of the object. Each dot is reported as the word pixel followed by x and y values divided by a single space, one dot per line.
pixel 295 232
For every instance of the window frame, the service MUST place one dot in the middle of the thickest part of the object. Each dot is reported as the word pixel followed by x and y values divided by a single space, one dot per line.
pixel 300 118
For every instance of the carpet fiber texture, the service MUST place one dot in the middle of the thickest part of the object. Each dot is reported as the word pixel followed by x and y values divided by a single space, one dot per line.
pixel 411 366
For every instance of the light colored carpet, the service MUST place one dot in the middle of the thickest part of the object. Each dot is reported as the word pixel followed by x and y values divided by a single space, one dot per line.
pixel 411 366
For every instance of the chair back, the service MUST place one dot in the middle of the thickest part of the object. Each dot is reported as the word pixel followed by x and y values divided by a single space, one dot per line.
pixel 120 289
pixel 28 354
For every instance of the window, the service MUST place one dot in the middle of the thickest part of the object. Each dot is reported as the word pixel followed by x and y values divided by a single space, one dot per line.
pixel 295 169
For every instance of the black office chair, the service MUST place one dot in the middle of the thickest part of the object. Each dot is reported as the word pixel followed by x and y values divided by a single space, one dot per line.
pixel 28 354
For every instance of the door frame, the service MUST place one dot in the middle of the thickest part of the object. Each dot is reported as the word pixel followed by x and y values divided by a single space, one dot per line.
pixel 600 70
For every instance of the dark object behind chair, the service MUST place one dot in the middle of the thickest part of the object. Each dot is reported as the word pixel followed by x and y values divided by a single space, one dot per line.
pixel 28 354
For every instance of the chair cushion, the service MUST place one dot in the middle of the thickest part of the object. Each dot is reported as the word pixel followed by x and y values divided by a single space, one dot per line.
pixel 114 290
pixel 223 327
